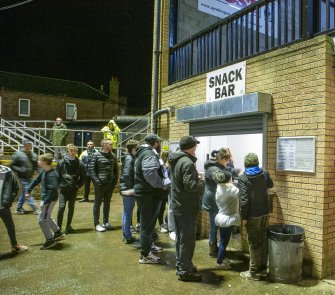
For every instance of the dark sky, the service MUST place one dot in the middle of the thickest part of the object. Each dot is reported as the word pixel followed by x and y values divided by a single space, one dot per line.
pixel 81 40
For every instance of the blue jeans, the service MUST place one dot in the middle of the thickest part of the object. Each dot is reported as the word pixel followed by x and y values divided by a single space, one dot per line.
pixel 128 206
pixel 225 233
pixel 31 201
pixel 213 228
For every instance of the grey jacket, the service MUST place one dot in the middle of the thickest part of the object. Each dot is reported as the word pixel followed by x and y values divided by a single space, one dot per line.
pixel 23 166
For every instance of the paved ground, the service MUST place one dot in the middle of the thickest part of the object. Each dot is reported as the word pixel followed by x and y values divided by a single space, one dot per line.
pixel 88 262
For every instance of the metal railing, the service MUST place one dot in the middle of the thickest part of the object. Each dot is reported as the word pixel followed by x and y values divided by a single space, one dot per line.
pixel 260 27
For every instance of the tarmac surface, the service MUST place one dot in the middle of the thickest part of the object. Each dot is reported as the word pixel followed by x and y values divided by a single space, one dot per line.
pixel 89 262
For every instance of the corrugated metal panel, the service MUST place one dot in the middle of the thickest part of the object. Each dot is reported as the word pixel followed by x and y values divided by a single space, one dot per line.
pixel 228 126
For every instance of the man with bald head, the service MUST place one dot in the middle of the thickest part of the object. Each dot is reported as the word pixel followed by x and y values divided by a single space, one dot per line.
pixel 58 137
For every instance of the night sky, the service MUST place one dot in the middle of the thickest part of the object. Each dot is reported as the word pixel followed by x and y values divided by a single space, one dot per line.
pixel 81 40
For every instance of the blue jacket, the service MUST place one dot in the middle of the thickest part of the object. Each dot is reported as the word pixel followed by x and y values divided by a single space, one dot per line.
pixel 49 180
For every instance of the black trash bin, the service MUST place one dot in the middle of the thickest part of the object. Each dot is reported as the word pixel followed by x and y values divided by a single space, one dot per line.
pixel 286 253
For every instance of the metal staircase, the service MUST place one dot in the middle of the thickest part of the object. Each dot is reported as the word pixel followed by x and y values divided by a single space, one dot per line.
pixel 137 130
pixel 12 134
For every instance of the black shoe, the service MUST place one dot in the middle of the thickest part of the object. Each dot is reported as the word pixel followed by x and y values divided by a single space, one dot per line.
pixel 190 277
pixel 129 241
pixel 83 200
pixel 48 244
pixel 20 211
pixel 69 230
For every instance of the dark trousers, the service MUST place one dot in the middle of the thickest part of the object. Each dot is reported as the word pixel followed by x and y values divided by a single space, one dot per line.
pixel 258 243
pixel 7 219
pixel 149 206
pixel 186 230
pixel 102 193
pixel 70 197
pixel 88 181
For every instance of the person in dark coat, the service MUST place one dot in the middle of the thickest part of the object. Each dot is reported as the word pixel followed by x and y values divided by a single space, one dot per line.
pixel 58 137
pixel 186 191
pixel 127 189
pixel 150 184
pixel 218 163
pixel 71 178
pixel 24 164
pixel 86 158
pixel 255 212
pixel 9 189
pixel 104 173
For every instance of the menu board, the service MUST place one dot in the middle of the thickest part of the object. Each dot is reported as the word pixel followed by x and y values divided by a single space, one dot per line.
pixel 296 154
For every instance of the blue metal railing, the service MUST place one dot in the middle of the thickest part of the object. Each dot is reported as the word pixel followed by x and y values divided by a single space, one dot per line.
pixel 262 26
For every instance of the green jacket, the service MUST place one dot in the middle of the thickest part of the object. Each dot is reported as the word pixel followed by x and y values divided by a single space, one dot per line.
pixel 59 134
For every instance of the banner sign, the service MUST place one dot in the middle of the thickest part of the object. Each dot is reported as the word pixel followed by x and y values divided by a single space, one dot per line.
pixel 224 8
pixel 226 82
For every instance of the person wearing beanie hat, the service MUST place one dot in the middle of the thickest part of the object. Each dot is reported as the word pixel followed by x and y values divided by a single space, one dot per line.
pixel 228 216
pixel 149 186
pixel 255 211
pixel 186 192
pixel 219 163
pixel 24 164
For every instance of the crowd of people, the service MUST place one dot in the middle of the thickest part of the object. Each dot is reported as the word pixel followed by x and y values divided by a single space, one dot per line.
pixel 151 179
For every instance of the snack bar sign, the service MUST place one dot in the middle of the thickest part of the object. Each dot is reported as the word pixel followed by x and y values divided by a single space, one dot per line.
pixel 226 82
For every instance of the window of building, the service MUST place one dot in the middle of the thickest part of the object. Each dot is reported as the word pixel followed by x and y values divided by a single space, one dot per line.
pixel 24 107
pixel 122 112
pixel 71 111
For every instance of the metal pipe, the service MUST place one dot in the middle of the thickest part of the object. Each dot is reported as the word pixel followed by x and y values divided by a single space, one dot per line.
pixel 161 112
pixel 156 64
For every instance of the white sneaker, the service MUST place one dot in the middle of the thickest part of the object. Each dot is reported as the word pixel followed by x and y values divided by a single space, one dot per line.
pixel 156 249
pixel 153 256
pixel 224 265
pixel 172 235
pixel 99 228
pixel 163 230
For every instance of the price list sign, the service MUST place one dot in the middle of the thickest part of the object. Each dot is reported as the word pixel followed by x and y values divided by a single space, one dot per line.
pixel 296 154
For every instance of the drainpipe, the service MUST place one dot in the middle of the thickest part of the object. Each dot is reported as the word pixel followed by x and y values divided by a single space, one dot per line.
pixel 156 65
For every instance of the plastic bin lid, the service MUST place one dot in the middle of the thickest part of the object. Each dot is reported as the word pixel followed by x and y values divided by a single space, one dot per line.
pixel 286 233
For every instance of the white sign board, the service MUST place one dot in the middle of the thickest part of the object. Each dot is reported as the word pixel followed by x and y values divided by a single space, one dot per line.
pixel 224 8
pixel 226 82
pixel 296 154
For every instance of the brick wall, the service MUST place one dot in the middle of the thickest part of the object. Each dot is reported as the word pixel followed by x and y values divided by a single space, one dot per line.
pixel 47 107
pixel 301 80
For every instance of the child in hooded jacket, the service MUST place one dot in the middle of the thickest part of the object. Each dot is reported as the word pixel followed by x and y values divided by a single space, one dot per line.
pixel 227 200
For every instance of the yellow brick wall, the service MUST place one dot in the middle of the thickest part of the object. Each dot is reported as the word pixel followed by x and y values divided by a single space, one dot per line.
pixel 301 80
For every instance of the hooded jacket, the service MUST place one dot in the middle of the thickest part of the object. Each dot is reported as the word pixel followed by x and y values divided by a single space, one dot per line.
pixel 227 200
pixel 9 187
pixel 211 166
pixel 24 165
pixel 71 173
pixel 127 172
pixel 253 185
pixel 149 174
pixel 186 187
pixel 59 134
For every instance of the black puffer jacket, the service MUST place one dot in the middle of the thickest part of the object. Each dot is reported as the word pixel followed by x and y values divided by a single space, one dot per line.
pixel 127 172
pixel 71 173
pixel 103 168
pixel 254 201
pixel 186 187
pixel 9 187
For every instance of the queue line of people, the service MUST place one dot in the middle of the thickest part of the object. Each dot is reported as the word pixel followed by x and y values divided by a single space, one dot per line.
pixel 145 178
